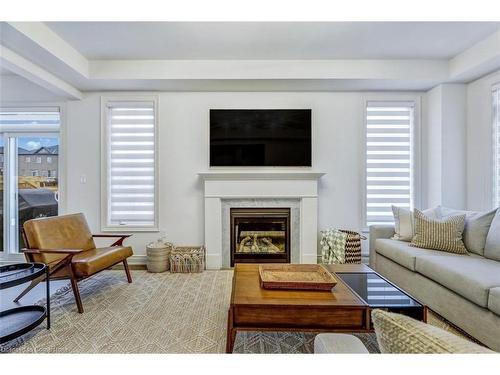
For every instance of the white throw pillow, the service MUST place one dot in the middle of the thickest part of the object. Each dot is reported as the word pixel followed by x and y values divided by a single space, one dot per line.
pixel 404 226
pixel 403 223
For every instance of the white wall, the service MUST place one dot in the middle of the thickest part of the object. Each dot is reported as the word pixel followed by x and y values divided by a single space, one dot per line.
pixel 445 145
pixel 14 88
pixel 432 142
pixel 479 142
pixel 183 140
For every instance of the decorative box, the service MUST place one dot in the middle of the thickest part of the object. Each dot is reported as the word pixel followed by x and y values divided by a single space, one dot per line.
pixel 187 259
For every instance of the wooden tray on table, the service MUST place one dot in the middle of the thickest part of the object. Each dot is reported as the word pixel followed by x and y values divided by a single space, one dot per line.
pixel 296 276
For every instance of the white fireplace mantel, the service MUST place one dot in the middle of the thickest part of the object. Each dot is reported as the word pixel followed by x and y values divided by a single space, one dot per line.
pixel 300 185
pixel 260 175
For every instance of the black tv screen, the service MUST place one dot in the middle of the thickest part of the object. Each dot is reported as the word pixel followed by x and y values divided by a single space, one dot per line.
pixel 260 137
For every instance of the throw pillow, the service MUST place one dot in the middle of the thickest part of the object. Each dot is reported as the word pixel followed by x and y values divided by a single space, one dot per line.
pixel 404 228
pixel 477 226
pixel 444 235
pixel 404 335
pixel 403 223
pixel 492 245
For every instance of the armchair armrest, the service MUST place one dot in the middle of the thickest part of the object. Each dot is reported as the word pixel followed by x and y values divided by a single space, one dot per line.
pixel 52 251
pixel 119 242
pixel 376 232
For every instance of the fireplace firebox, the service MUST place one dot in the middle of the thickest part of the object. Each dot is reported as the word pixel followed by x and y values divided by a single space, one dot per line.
pixel 260 235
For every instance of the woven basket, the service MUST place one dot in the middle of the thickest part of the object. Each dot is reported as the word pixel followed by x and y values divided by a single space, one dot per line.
pixel 187 259
pixel 158 257
pixel 353 246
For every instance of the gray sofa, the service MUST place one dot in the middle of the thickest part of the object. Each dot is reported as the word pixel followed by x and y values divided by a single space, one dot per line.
pixel 464 289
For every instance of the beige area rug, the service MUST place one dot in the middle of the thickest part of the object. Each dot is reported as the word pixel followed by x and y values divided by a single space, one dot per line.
pixel 157 313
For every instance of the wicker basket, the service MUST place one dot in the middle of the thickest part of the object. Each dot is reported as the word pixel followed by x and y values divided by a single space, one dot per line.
pixel 187 259
pixel 158 254
pixel 353 246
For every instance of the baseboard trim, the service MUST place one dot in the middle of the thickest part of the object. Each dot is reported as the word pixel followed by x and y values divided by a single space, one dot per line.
pixel 137 260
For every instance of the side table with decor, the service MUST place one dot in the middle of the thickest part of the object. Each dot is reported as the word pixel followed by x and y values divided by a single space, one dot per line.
pixel 17 321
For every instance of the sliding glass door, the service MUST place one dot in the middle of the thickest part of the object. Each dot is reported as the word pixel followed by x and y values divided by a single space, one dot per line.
pixel 30 171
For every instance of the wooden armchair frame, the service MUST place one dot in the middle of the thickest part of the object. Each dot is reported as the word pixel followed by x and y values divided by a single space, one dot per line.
pixel 66 262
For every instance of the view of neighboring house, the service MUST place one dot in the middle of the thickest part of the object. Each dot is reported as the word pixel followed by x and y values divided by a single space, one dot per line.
pixel 41 162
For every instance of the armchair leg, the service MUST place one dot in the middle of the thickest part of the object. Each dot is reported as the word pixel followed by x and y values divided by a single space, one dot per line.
pixel 76 291
pixel 127 271
pixel 25 291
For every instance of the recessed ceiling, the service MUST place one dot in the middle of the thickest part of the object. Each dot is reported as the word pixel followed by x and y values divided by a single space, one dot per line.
pixel 272 40
pixel 5 72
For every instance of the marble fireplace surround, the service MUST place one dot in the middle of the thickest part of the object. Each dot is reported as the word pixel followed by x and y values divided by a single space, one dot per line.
pixel 226 189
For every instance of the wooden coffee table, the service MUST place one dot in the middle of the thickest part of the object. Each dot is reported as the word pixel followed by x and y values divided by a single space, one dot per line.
pixel 344 309
pixel 255 309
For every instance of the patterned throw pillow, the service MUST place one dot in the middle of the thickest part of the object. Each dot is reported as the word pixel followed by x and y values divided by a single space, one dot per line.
pixel 444 235
pixel 401 334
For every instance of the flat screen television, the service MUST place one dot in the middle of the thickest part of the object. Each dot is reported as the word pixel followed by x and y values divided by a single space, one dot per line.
pixel 260 137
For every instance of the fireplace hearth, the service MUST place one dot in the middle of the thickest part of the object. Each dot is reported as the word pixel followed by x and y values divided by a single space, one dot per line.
pixel 260 235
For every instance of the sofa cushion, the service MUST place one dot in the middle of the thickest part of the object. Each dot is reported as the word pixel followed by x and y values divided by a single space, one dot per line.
pixel 402 253
pixel 494 300
pixel 477 226
pixel 472 277
pixel 401 334
pixel 492 245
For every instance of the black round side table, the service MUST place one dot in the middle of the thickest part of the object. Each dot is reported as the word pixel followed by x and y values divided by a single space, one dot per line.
pixel 20 320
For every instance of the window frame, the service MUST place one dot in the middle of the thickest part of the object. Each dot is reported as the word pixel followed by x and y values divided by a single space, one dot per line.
pixel 105 226
pixel 416 147
pixel 495 128
pixel 61 134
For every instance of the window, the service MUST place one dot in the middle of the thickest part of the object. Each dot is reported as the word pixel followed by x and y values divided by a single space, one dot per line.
pixel 28 159
pixel 49 160
pixel 129 166
pixel 34 173
pixel 38 160
pixel 389 159
pixel 496 144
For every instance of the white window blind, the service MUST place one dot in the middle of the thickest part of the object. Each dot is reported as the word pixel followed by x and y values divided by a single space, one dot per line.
pixel 28 121
pixel 496 145
pixel 389 159
pixel 131 165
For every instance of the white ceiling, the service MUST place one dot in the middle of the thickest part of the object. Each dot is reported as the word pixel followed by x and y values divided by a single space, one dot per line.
pixel 69 58
pixel 5 72
pixel 272 40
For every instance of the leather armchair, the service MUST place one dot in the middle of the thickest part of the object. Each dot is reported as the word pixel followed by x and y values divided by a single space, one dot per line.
pixel 66 245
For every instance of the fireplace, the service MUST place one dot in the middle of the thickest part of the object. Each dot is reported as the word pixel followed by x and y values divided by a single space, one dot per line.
pixel 260 235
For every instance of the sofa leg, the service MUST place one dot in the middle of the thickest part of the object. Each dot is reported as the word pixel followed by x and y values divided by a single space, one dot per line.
pixel 76 291
pixel 127 271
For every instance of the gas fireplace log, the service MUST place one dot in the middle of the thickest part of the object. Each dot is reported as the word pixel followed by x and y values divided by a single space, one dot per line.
pixel 272 248
pixel 263 233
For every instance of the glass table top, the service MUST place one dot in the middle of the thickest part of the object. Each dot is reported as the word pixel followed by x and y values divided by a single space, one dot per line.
pixel 376 291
